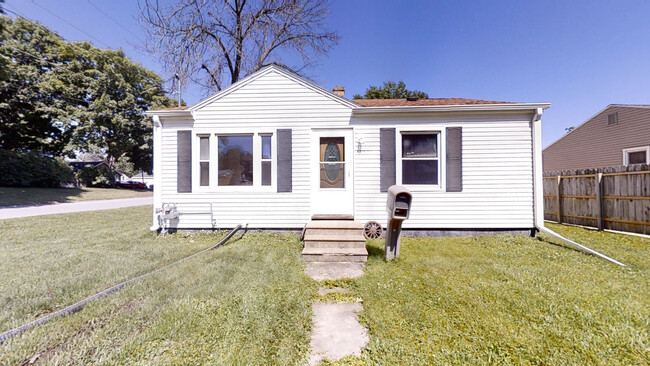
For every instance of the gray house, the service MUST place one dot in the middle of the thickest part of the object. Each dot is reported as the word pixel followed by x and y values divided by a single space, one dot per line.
pixel 617 135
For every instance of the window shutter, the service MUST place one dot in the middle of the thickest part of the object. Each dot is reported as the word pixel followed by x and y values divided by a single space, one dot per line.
pixel 386 158
pixel 454 159
pixel 184 161
pixel 284 161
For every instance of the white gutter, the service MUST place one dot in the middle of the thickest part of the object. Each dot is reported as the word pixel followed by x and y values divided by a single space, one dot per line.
pixel 538 191
pixel 453 108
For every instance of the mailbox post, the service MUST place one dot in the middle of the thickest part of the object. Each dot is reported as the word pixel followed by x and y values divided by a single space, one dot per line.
pixel 398 206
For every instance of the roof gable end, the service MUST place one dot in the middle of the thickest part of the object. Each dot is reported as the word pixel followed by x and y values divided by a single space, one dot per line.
pixel 265 71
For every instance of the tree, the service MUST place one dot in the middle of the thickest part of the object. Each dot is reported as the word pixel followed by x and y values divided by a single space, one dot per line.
pixel 391 90
pixel 215 43
pixel 30 102
pixel 62 98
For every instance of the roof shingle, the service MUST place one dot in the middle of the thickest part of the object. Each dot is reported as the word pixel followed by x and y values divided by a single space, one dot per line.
pixel 421 102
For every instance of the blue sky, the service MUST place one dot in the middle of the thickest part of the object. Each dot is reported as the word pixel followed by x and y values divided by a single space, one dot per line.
pixel 578 55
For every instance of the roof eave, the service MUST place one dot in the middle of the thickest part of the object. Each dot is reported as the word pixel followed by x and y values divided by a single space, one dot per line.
pixel 168 113
pixel 452 108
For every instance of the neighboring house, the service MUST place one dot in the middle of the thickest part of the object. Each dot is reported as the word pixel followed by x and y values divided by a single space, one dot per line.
pixel 617 135
pixel 143 177
pixel 76 165
pixel 274 149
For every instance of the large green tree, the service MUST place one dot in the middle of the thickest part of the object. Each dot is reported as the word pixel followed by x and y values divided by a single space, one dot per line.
pixel 391 90
pixel 62 98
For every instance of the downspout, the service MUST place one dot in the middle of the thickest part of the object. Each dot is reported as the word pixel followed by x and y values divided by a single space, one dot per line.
pixel 538 191
pixel 157 172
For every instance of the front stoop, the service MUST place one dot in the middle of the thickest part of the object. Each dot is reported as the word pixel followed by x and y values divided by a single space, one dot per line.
pixel 334 241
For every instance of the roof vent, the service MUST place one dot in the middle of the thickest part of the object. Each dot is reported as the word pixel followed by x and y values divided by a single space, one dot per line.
pixel 412 99
pixel 612 119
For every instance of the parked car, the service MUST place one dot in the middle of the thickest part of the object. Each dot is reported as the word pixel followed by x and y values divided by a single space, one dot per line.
pixel 131 184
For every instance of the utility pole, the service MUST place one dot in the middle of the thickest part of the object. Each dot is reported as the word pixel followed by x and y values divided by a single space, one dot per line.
pixel 178 84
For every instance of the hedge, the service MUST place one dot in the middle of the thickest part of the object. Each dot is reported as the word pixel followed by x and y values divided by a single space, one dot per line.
pixel 24 169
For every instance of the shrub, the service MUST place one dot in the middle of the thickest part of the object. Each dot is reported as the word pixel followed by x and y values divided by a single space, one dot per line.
pixel 24 169
pixel 93 176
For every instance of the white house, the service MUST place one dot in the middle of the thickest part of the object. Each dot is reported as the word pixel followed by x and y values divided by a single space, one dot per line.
pixel 274 149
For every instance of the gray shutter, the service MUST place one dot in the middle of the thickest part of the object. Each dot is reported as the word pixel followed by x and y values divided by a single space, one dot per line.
pixel 284 161
pixel 184 161
pixel 386 158
pixel 454 159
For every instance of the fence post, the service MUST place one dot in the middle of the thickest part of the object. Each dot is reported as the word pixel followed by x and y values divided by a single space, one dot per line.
pixel 599 202
pixel 558 201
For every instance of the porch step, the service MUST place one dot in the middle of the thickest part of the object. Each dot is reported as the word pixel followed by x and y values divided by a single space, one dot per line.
pixel 332 217
pixel 334 241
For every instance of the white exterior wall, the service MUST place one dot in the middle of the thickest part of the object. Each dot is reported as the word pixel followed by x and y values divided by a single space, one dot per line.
pixel 497 173
pixel 266 104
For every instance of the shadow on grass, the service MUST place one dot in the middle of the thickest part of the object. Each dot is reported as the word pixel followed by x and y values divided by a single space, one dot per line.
pixel 375 249
pixel 18 197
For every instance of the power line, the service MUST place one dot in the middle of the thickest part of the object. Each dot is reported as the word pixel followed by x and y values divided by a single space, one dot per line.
pixel 114 21
pixel 70 24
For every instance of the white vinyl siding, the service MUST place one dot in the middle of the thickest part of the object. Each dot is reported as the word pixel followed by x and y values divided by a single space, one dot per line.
pixel 266 104
pixel 497 176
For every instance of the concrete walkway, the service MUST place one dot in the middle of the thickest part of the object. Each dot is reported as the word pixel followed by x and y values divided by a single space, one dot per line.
pixel 60 208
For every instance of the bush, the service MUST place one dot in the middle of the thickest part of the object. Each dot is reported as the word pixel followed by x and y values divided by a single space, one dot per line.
pixel 23 169
pixel 92 176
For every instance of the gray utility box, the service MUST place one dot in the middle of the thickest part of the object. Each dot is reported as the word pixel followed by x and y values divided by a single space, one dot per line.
pixel 398 207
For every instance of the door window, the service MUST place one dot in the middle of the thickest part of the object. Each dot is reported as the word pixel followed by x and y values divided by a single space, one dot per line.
pixel 332 162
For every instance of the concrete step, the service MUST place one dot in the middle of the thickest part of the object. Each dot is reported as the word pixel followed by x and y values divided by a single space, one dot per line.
pixel 333 235
pixel 332 217
pixel 335 254
pixel 334 224
pixel 335 244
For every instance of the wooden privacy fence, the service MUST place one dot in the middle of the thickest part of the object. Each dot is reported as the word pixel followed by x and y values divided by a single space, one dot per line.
pixel 609 198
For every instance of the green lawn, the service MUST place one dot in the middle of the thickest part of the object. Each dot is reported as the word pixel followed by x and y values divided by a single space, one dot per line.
pixel 247 302
pixel 39 196
pixel 490 300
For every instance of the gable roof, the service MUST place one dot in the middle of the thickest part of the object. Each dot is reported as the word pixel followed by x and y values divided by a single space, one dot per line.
pixel 264 71
pixel 421 102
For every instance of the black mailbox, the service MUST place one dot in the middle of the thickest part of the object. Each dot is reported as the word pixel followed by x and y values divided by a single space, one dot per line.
pixel 398 207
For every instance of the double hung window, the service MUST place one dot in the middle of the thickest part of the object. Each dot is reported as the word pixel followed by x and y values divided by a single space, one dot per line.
pixel 420 158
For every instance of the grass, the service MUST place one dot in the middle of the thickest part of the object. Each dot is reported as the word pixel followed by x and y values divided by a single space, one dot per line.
pixel 490 300
pixel 247 302
pixel 507 300
pixel 11 197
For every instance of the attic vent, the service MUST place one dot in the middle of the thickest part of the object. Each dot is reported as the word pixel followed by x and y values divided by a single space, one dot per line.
pixel 412 99
pixel 612 119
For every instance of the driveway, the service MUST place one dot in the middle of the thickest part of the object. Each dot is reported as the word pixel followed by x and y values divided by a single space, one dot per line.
pixel 59 208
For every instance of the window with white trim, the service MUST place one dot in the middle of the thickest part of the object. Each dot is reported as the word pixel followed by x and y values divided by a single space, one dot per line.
pixel 266 159
pixel 204 160
pixel 234 160
pixel 420 158
pixel 636 155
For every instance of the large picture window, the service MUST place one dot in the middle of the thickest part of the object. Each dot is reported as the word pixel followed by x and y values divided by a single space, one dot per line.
pixel 235 161
pixel 420 159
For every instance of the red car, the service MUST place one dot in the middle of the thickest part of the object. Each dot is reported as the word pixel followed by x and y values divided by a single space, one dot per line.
pixel 131 184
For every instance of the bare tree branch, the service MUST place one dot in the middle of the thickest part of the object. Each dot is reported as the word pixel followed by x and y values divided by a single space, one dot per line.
pixel 216 43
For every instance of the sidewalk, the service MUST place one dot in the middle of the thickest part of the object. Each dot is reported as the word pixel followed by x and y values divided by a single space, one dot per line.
pixel 60 208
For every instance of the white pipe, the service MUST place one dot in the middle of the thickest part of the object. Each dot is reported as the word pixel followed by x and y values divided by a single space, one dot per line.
pixel 538 193
pixel 581 248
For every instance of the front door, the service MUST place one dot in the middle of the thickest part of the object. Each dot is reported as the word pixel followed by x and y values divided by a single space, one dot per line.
pixel 331 171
